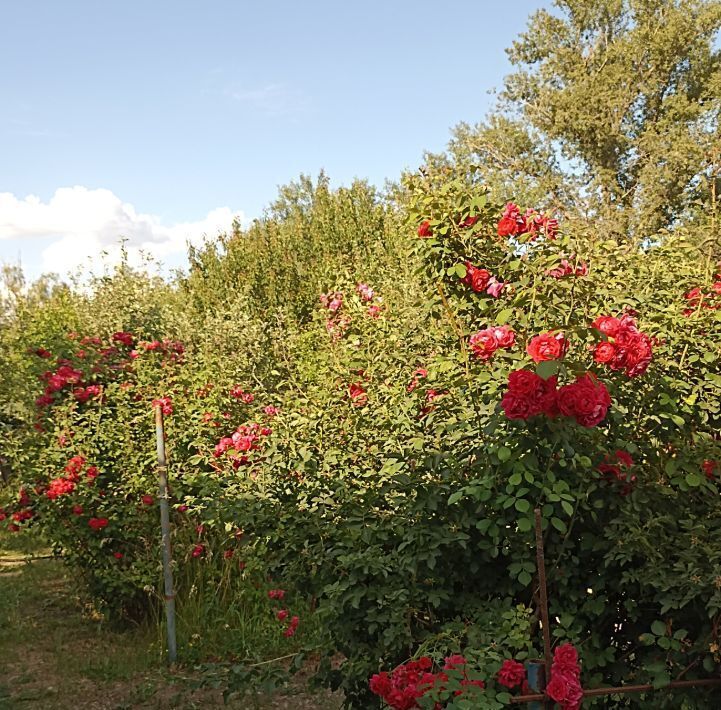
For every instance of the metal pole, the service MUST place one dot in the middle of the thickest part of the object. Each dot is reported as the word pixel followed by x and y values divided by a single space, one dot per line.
pixel 536 672
pixel 541 565
pixel 165 528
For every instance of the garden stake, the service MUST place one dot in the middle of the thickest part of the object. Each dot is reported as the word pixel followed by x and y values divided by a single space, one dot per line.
pixel 165 528
pixel 536 681
pixel 541 565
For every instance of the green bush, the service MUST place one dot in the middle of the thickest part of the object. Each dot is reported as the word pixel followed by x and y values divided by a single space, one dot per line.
pixel 389 491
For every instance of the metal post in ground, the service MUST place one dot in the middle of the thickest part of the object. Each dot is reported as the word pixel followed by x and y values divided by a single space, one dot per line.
pixel 536 672
pixel 165 529
pixel 543 593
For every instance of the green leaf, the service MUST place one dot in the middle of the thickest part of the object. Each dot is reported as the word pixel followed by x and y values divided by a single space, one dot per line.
pixel 547 368
pixel 658 628
pixel 693 480
pixel 524 524
pixel 504 316
pixel 522 505
pixel 503 453
pixel 559 525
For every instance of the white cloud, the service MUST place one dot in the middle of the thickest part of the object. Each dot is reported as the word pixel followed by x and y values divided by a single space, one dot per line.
pixel 83 223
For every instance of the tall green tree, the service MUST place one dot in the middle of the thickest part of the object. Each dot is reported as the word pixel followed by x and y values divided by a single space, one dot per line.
pixel 613 109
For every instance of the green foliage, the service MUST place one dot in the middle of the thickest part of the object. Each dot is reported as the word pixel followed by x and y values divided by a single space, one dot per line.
pixel 611 114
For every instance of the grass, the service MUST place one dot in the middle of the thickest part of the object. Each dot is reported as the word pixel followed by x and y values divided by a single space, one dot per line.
pixel 54 653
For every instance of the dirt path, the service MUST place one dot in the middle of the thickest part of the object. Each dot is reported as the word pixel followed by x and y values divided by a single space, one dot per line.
pixel 54 657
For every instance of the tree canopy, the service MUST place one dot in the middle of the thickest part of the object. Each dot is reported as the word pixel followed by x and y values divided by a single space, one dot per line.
pixel 612 111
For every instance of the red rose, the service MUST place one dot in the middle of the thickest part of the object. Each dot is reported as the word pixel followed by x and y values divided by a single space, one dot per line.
pixel 607 325
pixel 97 523
pixel 425 229
pixel 557 689
pixel 604 352
pixel 148 500
pixel 508 227
pixel 529 395
pixel 624 457
pixel 547 346
pixel 511 674
pixel 380 684
pixel 479 280
pixel 505 336
pixel 358 395
pixel 565 656
pixel 124 338
pixel 523 382
pixel 709 467
pixel 483 344
pixel 517 407
pixel 586 400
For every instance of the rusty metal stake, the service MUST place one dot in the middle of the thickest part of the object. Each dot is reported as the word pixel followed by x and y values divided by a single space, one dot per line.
pixel 165 529
pixel 541 567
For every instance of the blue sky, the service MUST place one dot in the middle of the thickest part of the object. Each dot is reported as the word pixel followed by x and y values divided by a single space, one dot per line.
pixel 161 118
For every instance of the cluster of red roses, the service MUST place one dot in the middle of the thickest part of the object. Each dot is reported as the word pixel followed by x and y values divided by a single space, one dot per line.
pixel 565 684
pixel 63 485
pixel 481 280
pixel 65 375
pixel 282 614
pixel 165 404
pixel 238 392
pixel 402 688
pixel 626 348
pixel 106 363
pixel 246 438
pixel 174 349
pixel 532 223
pixel 586 400
pixel 369 296
pixel 22 514
pixel 565 268
pixel 612 466
pixel 698 299
pixel 484 343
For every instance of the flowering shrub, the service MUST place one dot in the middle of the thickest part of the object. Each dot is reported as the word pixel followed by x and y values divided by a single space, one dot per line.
pixel 386 469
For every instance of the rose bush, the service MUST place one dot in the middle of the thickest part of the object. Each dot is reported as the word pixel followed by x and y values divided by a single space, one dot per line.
pixel 385 464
